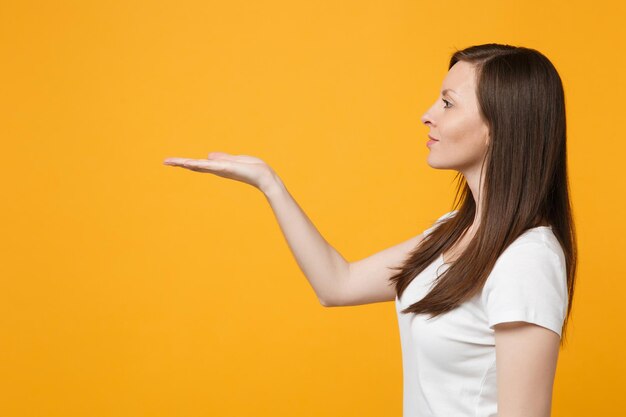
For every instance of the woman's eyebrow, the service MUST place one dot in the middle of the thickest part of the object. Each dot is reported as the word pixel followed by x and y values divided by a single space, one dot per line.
pixel 449 89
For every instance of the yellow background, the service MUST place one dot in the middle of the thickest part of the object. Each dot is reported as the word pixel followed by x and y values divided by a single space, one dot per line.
pixel 130 288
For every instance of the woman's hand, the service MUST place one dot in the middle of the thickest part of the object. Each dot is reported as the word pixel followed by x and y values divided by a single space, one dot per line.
pixel 244 168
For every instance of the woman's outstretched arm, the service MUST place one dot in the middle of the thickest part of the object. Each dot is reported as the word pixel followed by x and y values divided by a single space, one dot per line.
pixel 323 266
pixel 336 281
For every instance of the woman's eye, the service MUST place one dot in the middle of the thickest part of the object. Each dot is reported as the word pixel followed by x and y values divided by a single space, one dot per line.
pixel 447 102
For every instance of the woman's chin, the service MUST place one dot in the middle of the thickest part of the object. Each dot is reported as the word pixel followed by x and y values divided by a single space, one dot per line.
pixel 435 164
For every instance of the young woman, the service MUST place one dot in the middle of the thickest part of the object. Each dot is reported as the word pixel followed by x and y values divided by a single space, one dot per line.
pixel 484 294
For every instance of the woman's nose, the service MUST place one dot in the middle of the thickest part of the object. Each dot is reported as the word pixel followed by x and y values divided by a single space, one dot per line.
pixel 426 119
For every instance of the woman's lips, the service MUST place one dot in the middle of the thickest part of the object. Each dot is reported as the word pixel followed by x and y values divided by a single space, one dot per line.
pixel 431 141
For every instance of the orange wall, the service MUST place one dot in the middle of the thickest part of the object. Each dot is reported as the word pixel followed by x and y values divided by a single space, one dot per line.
pixel 130 288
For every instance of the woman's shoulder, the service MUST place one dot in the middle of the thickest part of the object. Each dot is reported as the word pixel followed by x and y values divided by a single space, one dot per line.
pixel 534 243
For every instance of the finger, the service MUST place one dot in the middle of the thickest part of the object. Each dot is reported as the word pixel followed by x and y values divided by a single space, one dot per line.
pixel 176 161
pixel 204 165
pixel 198 169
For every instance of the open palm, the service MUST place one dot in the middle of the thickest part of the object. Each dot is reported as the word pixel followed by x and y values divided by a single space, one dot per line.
pixel 245 168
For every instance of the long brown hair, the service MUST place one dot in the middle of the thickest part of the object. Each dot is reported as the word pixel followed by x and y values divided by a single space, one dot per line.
pixel 521 99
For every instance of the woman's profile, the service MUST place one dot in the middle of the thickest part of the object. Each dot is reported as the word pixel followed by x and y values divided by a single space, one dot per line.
pixel 483 296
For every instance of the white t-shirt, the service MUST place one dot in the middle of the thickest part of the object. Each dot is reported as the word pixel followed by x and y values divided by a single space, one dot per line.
pixel 449 362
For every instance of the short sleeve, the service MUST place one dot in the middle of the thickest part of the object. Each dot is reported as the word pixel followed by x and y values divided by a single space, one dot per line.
pixel 527 283
pixel 438 221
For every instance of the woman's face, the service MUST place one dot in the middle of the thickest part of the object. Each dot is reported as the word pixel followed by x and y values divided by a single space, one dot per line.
pixel 455 122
